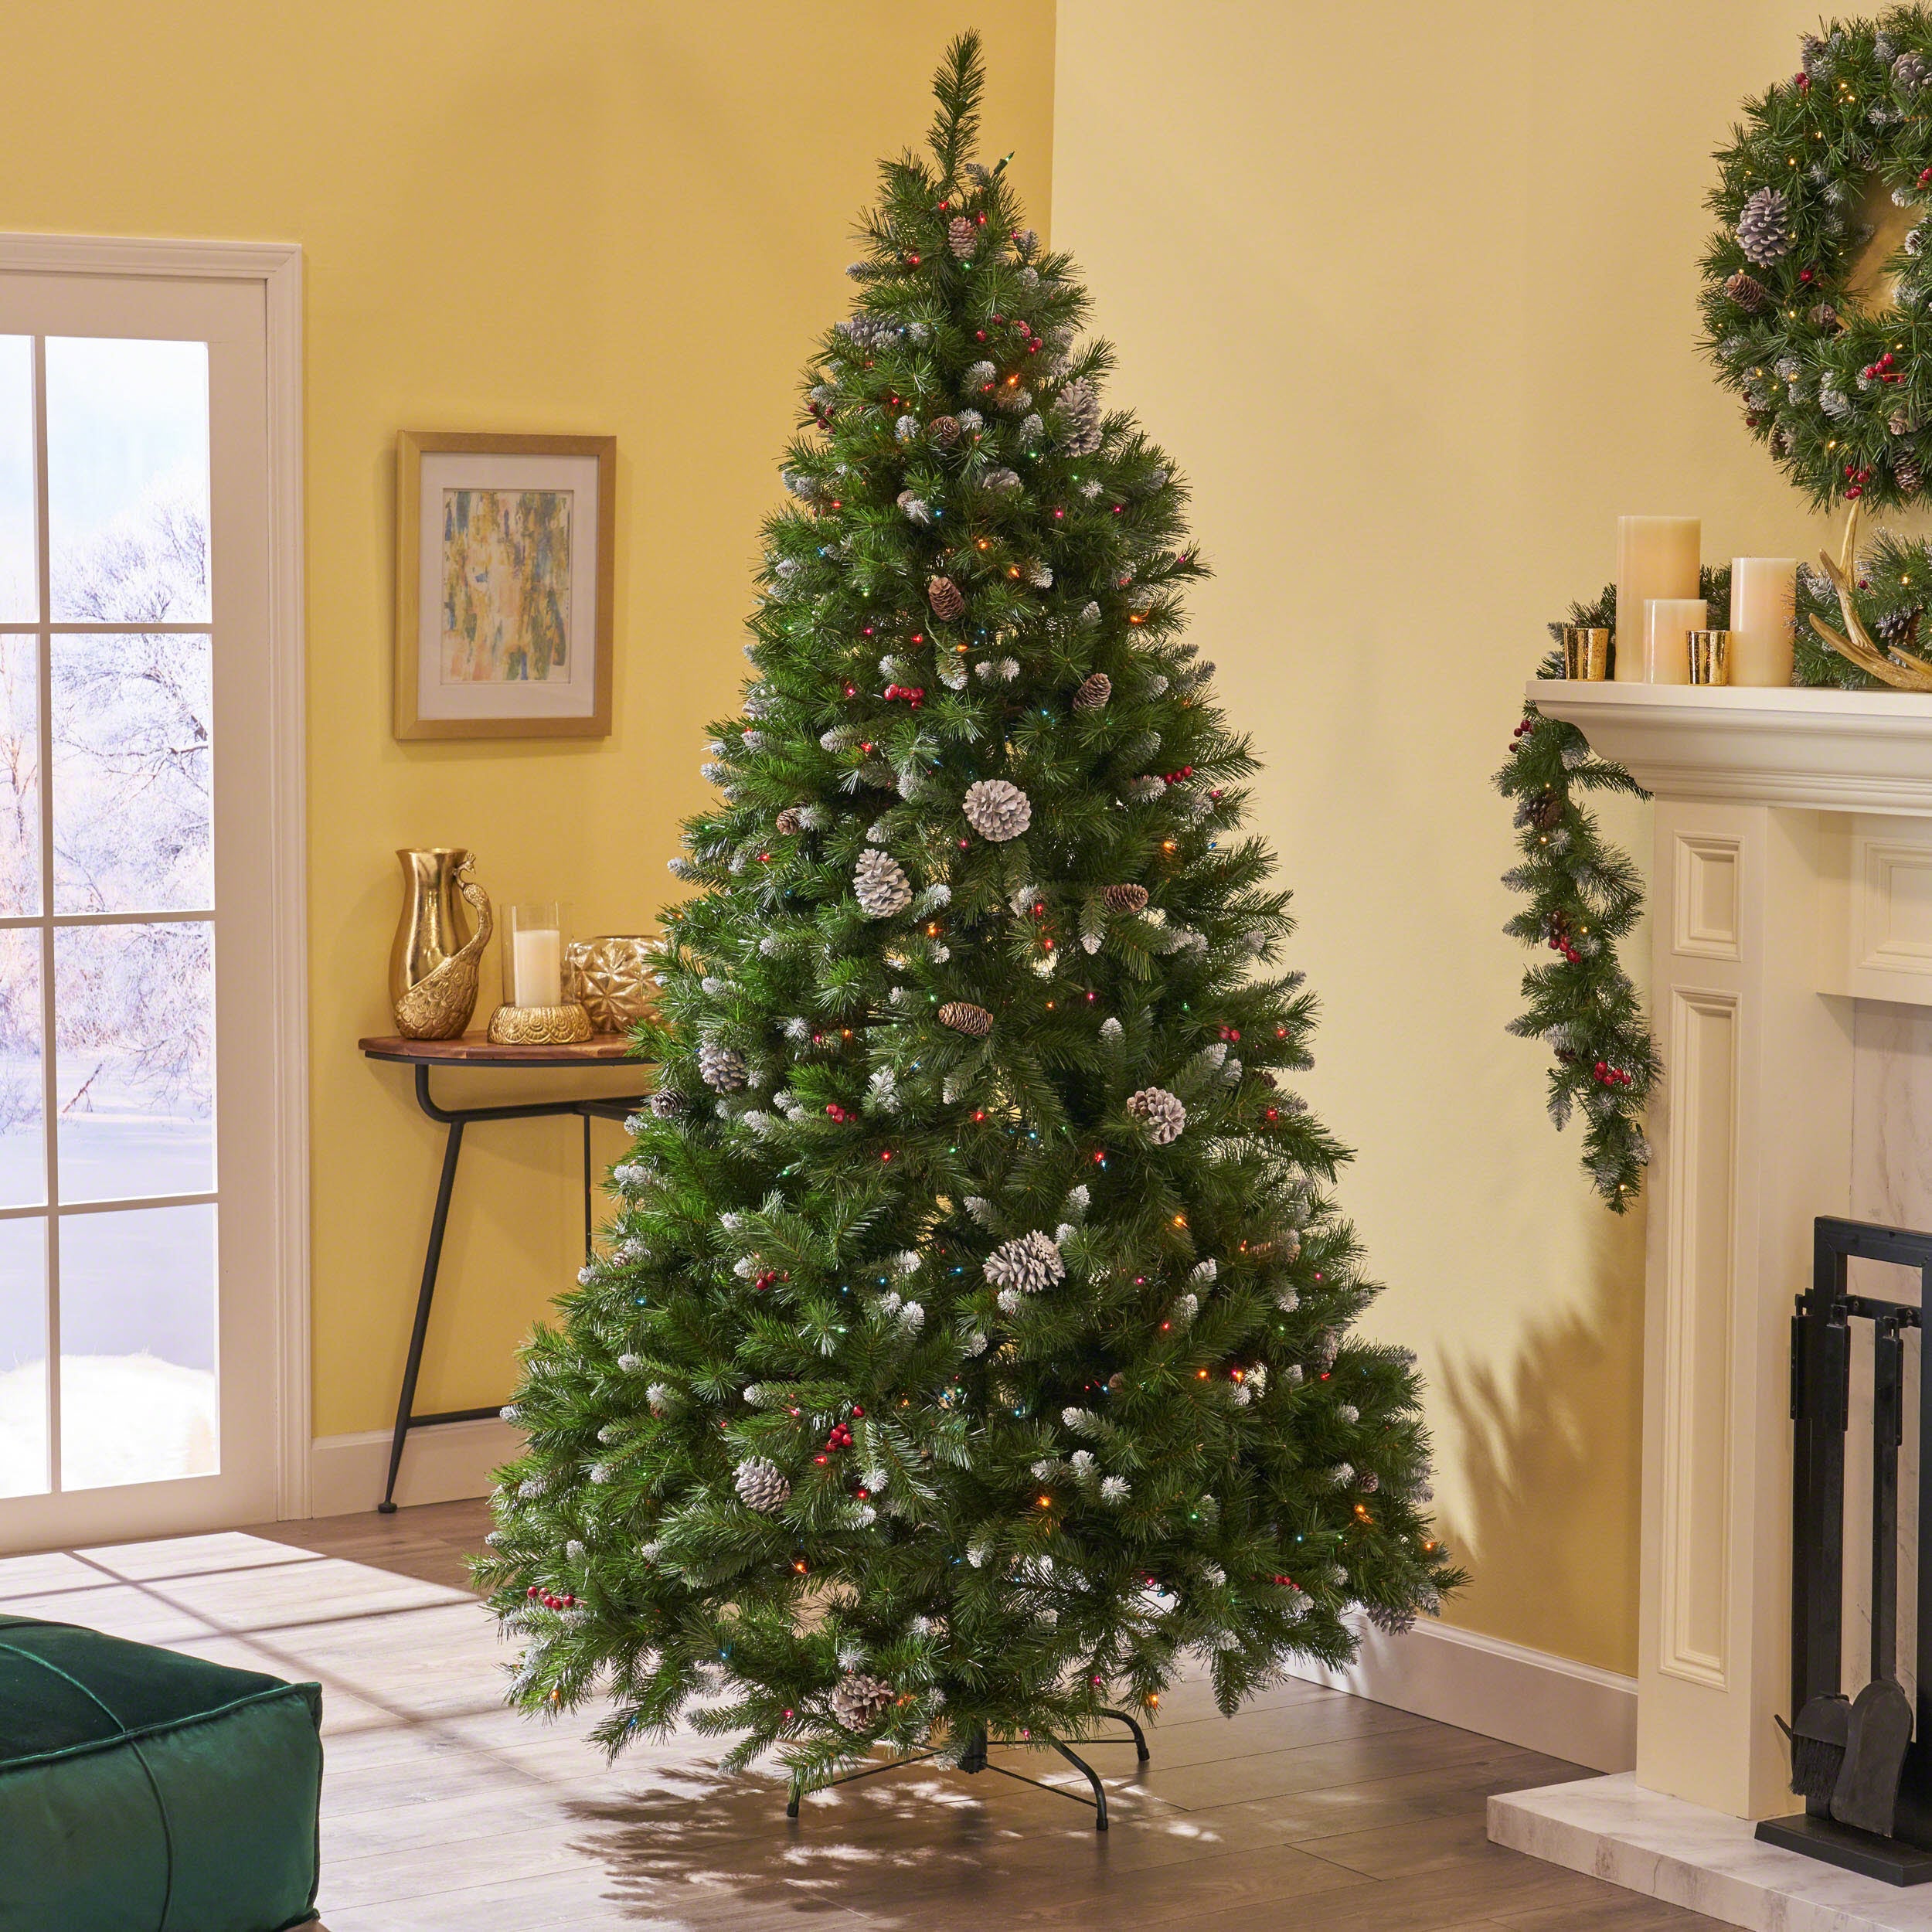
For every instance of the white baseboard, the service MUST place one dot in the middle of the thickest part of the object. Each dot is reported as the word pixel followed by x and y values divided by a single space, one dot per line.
pixel 1526 1697
pixel 447 1464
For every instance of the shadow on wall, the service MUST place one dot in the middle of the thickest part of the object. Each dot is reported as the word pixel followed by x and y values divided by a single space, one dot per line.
pixel 1551 1453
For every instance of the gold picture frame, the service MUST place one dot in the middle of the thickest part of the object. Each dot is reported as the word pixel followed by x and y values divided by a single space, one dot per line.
pixel 497 605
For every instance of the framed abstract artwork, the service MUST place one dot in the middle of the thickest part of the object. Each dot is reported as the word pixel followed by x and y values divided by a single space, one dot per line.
pixel 503 576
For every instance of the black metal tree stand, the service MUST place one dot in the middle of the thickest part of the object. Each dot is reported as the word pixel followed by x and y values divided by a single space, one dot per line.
pixel 974 1760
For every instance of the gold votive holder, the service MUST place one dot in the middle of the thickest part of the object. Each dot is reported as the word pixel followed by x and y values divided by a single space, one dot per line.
pixel 563 1025
pixel 1710 657
pixel 1586 652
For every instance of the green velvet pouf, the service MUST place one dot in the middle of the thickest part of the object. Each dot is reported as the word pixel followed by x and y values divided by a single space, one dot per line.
pixel 145 1791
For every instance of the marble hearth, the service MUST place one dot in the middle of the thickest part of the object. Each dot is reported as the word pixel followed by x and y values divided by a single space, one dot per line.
pixel 1792 996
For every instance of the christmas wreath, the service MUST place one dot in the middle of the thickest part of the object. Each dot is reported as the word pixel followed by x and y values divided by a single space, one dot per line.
pixel 1838 384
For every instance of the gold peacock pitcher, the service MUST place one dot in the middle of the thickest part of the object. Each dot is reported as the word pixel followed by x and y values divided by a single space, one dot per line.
pixel 433 969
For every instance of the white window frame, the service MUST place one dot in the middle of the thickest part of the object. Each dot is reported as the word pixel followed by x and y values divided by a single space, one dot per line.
pixel 276 268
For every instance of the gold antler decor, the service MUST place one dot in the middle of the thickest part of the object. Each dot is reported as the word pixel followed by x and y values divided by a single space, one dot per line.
pixel 1890 667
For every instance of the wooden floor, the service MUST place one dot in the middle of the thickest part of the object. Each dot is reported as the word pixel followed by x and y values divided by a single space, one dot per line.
pixel 442 1811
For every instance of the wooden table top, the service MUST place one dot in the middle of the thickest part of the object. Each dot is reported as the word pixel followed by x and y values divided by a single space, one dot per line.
pixel 477 1049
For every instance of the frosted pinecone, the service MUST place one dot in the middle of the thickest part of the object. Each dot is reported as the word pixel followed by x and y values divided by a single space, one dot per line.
pixel 962 237
pixel 979 375
pixel 1031 1263
pixel 1094 690
pixel 914 507
pixel 666 1104
pixel 1907 474
pixel 1764 228
pixel 1910 72
pixel 997 809
pixel 1834 402
pixel 1395 1623
pixel 721 1068
pixel 1079 411
pixel 760 1484
pixel 906 428
pixel 858 1701
pixel 879 885
pixel 1000 480
pixel 1164 1115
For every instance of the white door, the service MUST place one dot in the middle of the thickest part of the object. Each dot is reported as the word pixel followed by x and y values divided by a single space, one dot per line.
pixel 139 1301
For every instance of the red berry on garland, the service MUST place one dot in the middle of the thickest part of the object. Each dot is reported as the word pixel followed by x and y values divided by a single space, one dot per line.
pixel 856 1410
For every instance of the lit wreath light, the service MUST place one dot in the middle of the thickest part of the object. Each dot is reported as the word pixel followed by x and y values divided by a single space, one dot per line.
pixel 1817 286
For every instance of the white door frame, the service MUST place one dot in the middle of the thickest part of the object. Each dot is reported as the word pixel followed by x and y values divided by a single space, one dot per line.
pixel 276 268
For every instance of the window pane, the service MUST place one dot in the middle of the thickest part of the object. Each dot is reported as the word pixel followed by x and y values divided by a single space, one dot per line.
pixel 19 775
pixel 19 588
pixel 23 1358
pixel 134 1022
pixel 23 1154
pixel 127 479
pixel 138 1398
pixel 130 773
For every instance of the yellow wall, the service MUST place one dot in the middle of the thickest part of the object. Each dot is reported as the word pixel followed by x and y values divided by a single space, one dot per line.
pixel 578 216
pixel 1408 290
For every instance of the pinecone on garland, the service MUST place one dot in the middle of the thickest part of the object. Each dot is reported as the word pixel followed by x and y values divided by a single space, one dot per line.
pixel 964 1017
pixel 1910 72
pixel 721 1068
pixel 859 1702
pixel 1164 1115
pixel 943 430
pixel 1900 629
pixel 1764 228
pixel 1544 810
pixel 668 1104
pixel 1031 1264
pixel 789 821
pixel 997 809
pixel 1824 316
pixel 1747 291
pixel 1125 898
pixel 1093 692
pixel 944 595
pixel 759 1485
pixel 962 237
pixel 1907 474
pixel 880 885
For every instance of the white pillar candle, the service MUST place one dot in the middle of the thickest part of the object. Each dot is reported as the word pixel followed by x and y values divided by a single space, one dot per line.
pixel 1667 624
pixel 537 964
pixel 1763 596
pixel 1656 556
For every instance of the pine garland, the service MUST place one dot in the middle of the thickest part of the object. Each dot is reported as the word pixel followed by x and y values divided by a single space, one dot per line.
pixel 1585 897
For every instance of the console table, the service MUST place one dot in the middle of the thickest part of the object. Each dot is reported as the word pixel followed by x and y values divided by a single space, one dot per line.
pixel 475 1049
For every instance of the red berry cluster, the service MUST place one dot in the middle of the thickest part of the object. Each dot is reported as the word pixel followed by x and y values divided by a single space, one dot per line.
pixel 840 1438
pixel 1230 1032
pixel 1175 777
pixel 1524 727
pixel 913 694
pixel 1881 371
pixel 834 1112
pixel 1559 942
pixel 548 1601
pixel 1609 1075
pixel 766 1280
pixel 1287 1582
pixel 1855 480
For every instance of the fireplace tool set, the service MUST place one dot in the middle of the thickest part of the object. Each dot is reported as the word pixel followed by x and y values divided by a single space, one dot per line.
pixel 1865 1776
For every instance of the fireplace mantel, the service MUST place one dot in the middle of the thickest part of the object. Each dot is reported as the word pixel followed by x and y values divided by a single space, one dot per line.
pixel 1848 751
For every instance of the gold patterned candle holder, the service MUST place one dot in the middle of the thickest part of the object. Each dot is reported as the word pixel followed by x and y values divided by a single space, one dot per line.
pixel 1586 653
pixel 1710 657
pixel 563 1025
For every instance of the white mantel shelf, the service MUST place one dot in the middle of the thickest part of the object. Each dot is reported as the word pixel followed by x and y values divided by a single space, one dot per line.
pixel 1855 751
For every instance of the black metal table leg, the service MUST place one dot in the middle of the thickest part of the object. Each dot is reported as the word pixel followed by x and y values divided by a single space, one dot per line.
pixel 453 1119
pixel 432 1261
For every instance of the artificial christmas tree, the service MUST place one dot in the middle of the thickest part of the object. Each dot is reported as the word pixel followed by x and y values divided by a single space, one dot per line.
pixel 971 1343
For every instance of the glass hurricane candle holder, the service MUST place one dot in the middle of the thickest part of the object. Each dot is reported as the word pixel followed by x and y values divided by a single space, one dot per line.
pixel 533 953
pixel 537 1011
